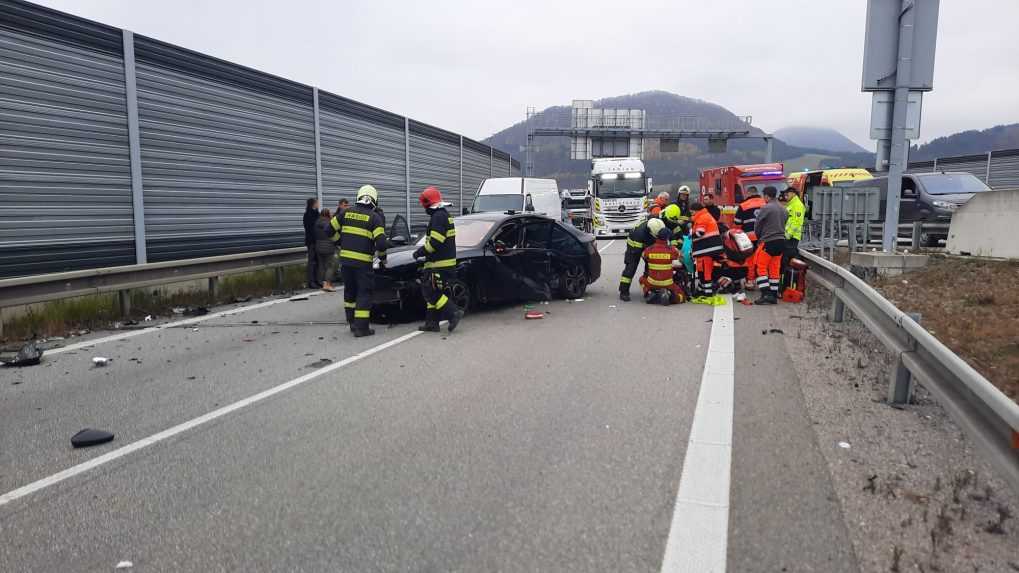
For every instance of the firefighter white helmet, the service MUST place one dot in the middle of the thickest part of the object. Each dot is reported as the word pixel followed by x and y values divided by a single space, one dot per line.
pixel 655 227
pixel 367 195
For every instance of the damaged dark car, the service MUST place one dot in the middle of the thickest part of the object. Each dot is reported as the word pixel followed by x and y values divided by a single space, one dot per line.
pixel 501 257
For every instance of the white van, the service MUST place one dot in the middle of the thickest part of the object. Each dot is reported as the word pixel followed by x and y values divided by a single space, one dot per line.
pixel 519 194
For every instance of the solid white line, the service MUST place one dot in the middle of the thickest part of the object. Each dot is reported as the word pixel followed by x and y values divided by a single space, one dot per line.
pixel 185 322
pixel 607 245
pixel 179 428
pixel 699 534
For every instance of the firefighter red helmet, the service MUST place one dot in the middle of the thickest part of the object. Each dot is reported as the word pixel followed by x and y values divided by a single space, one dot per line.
pixel 430 196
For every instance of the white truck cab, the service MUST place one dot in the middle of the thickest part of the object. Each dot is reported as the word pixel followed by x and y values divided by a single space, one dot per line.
pixel 620 187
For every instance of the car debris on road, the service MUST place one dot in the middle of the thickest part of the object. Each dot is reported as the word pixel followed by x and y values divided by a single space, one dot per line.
pixel 88 437
pixel 28 355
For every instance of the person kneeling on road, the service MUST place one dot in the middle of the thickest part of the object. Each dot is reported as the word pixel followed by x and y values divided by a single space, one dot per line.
pixel 361 237
pixel 439 252
pixel 771 221
pixel 641 238
pixel 659 259
pixel 706 248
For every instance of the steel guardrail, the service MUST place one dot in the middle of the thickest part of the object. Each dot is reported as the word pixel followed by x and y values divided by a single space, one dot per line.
pixel 984 413
pixel 54 286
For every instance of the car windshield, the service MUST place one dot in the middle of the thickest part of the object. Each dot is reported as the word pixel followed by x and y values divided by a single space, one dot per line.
pixel 498 203
pixel 951 183
pixel 469 232
pixel 620 188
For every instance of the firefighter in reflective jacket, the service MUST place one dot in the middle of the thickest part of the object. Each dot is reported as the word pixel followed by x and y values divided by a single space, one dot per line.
pixel 361 237
pixel 439 252
pixel 657 282
pixel 706 248
pixel 639 239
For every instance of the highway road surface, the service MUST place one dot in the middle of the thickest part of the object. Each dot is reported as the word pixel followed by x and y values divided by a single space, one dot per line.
pixel 608 436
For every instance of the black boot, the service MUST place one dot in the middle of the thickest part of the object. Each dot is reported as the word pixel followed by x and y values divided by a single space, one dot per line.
pixel 431 322
pixel 624 295
pixel 767 297
pixel 361 332
pixel 453 314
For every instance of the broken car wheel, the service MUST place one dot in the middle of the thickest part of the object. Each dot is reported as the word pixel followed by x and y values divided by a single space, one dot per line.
pixel 573 282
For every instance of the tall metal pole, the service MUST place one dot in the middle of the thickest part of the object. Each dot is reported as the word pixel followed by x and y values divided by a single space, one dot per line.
pixel 406 163
pixel 897 153
pixel 318 147
pixel 135 149
pixel 460 204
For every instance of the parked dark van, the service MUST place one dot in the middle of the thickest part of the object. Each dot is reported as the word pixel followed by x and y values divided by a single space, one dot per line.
pixel 929 197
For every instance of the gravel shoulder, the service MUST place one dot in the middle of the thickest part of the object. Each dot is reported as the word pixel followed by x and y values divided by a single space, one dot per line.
pixel 916 494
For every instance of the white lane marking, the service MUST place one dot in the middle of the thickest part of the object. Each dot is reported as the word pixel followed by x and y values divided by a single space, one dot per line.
pixel 607 245
pixel 179 428
pixel 158 327
pixel 699 534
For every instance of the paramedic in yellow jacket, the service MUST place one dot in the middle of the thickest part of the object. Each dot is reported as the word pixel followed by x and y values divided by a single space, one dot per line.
pixel 794 224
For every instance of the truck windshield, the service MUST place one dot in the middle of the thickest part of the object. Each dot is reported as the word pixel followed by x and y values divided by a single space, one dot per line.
pixel 498 203
pixel 620 188
pixel 951 183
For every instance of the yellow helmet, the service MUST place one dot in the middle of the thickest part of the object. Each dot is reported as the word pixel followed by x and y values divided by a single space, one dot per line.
pixel 672 213
pixel 367 195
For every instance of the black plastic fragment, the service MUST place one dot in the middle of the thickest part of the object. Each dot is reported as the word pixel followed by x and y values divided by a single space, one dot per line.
pixel 89 437
pixel 29 355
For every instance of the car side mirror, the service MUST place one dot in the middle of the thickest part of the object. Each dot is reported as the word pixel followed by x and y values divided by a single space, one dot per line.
pixel 465 211
pixel 528 204
pixel 399 240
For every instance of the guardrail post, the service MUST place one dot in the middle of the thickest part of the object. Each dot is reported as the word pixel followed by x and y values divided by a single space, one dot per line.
pixel 838 308
pixel 214 288
pixel 124 302
pixel 278 278
pixel 900 385
pixel 917 232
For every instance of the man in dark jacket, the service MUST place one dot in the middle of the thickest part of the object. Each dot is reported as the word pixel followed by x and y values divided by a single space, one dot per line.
pixel 310 216
pixel 362 237
pixel 770 228
pixel 439 252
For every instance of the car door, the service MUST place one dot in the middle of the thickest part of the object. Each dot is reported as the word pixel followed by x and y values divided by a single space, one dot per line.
pixel 909 208
pixel 500 279
pixel 524 269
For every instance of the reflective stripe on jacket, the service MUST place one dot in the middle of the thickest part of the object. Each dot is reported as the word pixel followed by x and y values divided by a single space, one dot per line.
pixel 746 215
pixel 361 236
pixel 440 241
pixel 658 258
pixel 704 234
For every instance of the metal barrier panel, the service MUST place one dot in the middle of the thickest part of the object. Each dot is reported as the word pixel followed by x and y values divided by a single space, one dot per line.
pixel 514 168
pixel 228 161
pixel 1005 169
pixel 434 160
pixel 500 164
pixel 475 170
pixel 361 146
pixel 975 164
pixel 65 187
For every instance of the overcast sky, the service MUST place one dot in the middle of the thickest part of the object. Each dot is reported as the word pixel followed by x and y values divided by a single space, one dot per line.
pixel 474 66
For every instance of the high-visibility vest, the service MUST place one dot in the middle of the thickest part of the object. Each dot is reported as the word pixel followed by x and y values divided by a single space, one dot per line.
pixel 704 235
pixel 746 215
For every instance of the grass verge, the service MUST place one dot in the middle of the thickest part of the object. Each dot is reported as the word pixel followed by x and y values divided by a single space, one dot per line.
pixel 60 317
pixel 970 305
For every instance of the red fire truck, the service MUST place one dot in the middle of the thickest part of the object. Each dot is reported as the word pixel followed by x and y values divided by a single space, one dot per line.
pixel 728 184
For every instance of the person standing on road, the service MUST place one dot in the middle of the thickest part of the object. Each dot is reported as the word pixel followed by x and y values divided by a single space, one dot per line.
pixel 640 238
pixel 325 251
pixel 361 234
pixel 683 202
pixel 710 207
pixel 310 217
pixel 342 206
pixel 771 222
pixel 706 248
pixel 660 202
pixel 745 220
pixel 793 225
pixel 439 252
